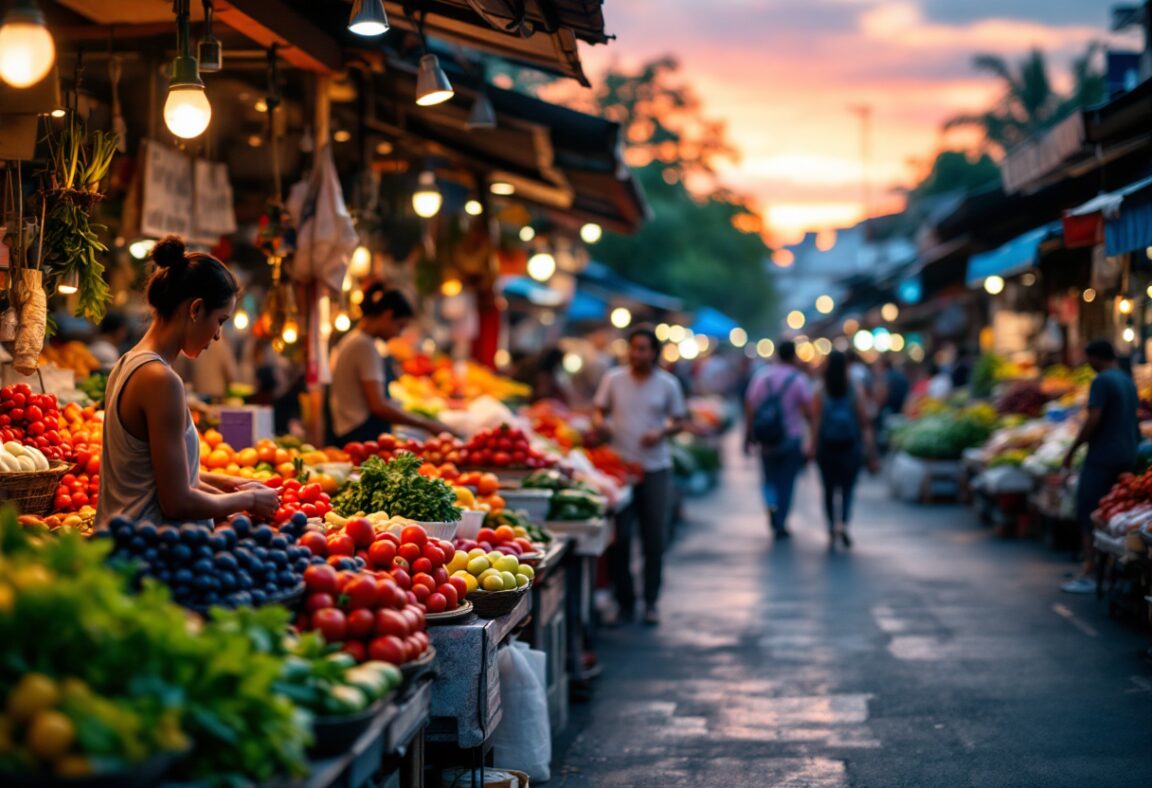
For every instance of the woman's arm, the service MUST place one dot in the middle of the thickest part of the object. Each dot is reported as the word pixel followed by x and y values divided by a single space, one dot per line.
pixel 165 414
pixel 867 433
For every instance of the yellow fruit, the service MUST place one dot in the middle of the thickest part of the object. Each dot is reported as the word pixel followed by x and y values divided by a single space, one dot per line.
pixel 493 583
pixel 34 693
pixel 232 469
pixel 521 531
pixel 50 735
pixel 476 552
pixel 218 459
pixel 506 563
pixel 478 565
pixel 464 498
pixel 526 570
pixel 469 579
pixel 248 458
pixel 213 438
pixel 522 580
pixel 509 580
pixel 73 766
pixel 459 561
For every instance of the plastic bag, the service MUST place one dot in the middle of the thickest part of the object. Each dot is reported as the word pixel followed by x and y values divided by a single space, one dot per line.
pixel 523 739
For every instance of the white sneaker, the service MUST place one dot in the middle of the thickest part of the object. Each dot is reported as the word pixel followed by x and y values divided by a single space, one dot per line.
pixel 1081 585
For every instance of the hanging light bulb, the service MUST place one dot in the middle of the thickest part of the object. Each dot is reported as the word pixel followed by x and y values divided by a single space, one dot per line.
pixel 473 208
pixel 502 188
pixel 483 115
pixel 621 317
pixel 210 53
pixel 240 320
pixel 342 322
pixel 1129 334
pixel 27 52
pixel 541 266
pixel 291 331
pixel 141 249
pixel 527 233
pixel 451 288
pixel 994 285
pixel 432 85
pixel 368 18
pixel 1125 306
pixel 426 200
pixel 69 283
pixel 361 264
pixel 187 112
pixel 591 232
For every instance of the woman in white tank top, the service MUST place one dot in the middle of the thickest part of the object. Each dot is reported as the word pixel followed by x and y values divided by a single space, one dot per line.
pixel 150 460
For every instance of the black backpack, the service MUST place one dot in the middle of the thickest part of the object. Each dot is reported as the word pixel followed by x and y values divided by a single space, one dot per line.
pixel 768 427
pixel 838 427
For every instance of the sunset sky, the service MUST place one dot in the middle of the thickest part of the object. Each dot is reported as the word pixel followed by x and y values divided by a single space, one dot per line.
pixel 786 74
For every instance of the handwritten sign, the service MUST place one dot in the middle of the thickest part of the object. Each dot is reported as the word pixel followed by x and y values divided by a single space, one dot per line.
pixel 191 198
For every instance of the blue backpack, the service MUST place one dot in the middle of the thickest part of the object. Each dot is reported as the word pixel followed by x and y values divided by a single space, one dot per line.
pixel 768 426
pixel 838 426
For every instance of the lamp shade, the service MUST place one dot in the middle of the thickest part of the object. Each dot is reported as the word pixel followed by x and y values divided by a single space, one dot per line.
pixel 432 85
pixel 368 18
pixel 482 116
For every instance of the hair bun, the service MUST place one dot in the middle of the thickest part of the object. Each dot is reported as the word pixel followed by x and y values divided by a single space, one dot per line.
pixel 169 252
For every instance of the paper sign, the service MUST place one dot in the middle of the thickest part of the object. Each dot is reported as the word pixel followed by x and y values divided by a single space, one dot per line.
pixel 190 198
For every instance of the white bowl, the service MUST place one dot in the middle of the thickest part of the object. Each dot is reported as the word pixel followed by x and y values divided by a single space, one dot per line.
pixel 472 522
pixel 445 531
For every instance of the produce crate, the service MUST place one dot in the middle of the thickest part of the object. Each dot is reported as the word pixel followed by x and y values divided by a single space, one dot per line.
pixel 534 503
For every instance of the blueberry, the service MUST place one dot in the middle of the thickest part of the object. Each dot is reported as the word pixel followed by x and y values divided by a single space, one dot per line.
pixel 299 519
pixel 183 576
pixel 168 535
pixel 270 588
pixel 226 562
pixel 278 557
pixel 261 553
pixel 148 531
pixel 241 598
pixel 227 581
pixel 263 534
pixel 317 559
pixel 137 545
pixel 181 592
pixel 243 556
pixel 360 562
pixel 182 553
pixel 151 554
pixel 300 564
pixel 244 580
pixel 287 579
pixel 346 564
pixel 203 551
pixel 164 576
pixel 119 521
pixel 218 543
pixel 202 583
pixel 258 596
pixel 228 535
pixel 241 524
pixel 202 567
pixel 279 542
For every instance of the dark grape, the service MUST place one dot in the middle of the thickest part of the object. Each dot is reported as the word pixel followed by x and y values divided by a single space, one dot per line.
pixel 241 525
pixel 263 535
pixel 168 535
pixel 279 542
pixel 182 553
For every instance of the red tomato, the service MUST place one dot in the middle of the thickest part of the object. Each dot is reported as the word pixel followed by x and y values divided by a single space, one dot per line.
pixel 486 535
pixel 357 649
pixel 370 448
pixel 410 552
pixel 63 503
pixel 501 459
pixel 80 499
pixel 331 624
pixel 436 602
pixel 440 575
pixel 292 484
pixel 414 534
pixel 310 493
pixel 422 564
pixel 309 510
pixel 388 648
pixel 391 537
pixel 400 562
pixel 422 592
pixel 381 553
pixel 361 623
pixel 361 532
pixel 461 586
pixel 345 578
pixel 318 600
pixel 93 465
pixel 434 554
pixel 341 544
pixel 423 579
pixel 448 549
pixel 274 481
pixel 450 594
pixel 392 622
pixel 315 541
pixel 402 578
pixel 320 578
pixel 361 592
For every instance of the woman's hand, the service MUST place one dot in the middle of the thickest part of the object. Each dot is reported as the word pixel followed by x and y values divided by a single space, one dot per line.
pixel 265 500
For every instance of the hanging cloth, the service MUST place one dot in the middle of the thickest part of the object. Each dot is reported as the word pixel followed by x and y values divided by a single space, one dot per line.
pixel 325 234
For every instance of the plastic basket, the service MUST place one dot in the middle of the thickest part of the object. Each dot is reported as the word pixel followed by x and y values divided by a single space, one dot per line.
pixel 32 492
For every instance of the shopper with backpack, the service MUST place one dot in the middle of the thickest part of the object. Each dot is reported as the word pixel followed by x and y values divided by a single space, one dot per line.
pixel 844 439
pixel 778 413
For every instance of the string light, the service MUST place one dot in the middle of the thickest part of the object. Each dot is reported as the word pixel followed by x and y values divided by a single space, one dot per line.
pixel 825 304
pixel 240 320
pixel 527 233
pixel 473 208
pixel 621 317
pixel 738 337
pixel 342 322
pixel 889 312
pixel 591 232
pixel 795 320
pixel 541 266
pixel 291 332
pixel 994 285
pixel 765 348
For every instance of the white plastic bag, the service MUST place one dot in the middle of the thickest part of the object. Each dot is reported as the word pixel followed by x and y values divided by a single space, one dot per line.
pixel 523 739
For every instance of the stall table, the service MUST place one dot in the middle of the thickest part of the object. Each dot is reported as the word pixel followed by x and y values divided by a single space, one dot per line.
pixel 548 631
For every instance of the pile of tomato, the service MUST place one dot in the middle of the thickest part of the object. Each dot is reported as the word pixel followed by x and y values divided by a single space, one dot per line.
pixel 385 447
pixel 33 420
pixel 503 447
pixel 297 496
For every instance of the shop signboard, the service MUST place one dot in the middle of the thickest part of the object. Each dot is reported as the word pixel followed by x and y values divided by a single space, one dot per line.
pixel 191 198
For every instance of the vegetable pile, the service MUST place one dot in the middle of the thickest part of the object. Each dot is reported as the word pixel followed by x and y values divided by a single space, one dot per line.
pixel 33 420
pixel 397 487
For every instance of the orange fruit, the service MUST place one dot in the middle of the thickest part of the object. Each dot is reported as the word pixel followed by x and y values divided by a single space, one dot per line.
pixel 287 470
pixel 497 503
pixel 505 533
pixel 213 438
pixel 247 458
pixel 266 452
pixel 283 456
pixel 205 449
pixel 218 459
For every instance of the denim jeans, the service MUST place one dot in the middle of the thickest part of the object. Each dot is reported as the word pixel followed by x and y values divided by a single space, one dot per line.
pixel 781 466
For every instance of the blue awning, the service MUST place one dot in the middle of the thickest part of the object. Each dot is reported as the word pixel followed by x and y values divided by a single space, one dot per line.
pixel 587 307
pixel 1014 257
pixel 1131 231
pixel 713 323
pixel 530 290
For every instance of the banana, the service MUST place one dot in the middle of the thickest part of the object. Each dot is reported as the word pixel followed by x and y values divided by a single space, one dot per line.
pixel 14 448
pixel 8 463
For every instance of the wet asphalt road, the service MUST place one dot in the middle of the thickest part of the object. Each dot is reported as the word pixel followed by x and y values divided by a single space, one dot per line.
pixel 934 654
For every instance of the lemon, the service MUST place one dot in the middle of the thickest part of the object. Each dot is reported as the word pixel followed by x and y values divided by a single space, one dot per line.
pixel 526 570
pixel 477 552
pixel 509 580
pixel 34 693
pixel 493 583
pixel 479 565
pixel 459 561
pixel 522 580
pixel 507 563
pixel 50 735
pixel 469 580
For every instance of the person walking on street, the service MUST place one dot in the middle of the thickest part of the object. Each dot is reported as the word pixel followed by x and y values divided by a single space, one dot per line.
pixel 844 438
pixel 777 417
pixel 640 406
pixel 1112 432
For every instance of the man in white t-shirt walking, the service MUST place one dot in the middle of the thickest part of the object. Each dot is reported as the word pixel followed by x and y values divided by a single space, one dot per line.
pixel 358 404
pixel 641 406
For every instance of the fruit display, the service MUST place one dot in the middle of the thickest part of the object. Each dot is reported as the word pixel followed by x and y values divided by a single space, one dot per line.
pixel 371 617
pixel 398 487
pixel 608 462
pixel 329 682
pixel 505 539
pixel 572 501
pixel 444 448
pixel 490 570
pixel 234 565
pixel 32 420
pixel 268 459
pixel 947 435
pixel 1129 492
pixel 1024 398
pixel 120 677
pixel 503 447
pixel 521 525
pixel 296 497
pixel 82 520
pixel 386 447
pixel 18 458
pixel 459 382
pixel 70 355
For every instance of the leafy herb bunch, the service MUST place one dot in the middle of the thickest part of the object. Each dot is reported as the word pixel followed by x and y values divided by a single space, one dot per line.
pixel 398 488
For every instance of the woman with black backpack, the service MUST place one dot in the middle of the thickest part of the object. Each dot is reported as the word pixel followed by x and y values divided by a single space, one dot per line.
pixel 844 439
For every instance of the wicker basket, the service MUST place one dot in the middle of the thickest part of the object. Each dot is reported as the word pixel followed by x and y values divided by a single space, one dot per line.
pixel 32 491
pixel 493 604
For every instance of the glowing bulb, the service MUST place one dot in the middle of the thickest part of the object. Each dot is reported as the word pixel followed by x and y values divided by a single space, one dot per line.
pixel 27 52
pixel 1089 296
pixel 863 341
pixel 916 353
pixel 473 208
pixel 361 263
pixel 621 317
pixel 291 332
pixel 670 354
pixel 689 350
pixel 738 337
pixel 591 232
pixel 187 112
pixel 823 346
pixel 240 320
pixel 502 358
pixel 342 322
pixel 889 312
pixel 541 266
pixel 527 233
pixel 765 348
pixel 662 331
pixel 426 200
pixel 897 342
pixel 703 343
pixel 69 283
pixel 994 285
pixel 1125 306
pixel 825 304
pixel 676 334
pixel 882 340
pixel 342 135
pixel 1129 334
pixel 261 105
pixel 141 249
pixel 573 363
pixel 59 112
pixel 451 287
pixel 502 188
pixel 805 352
pixel 795 320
